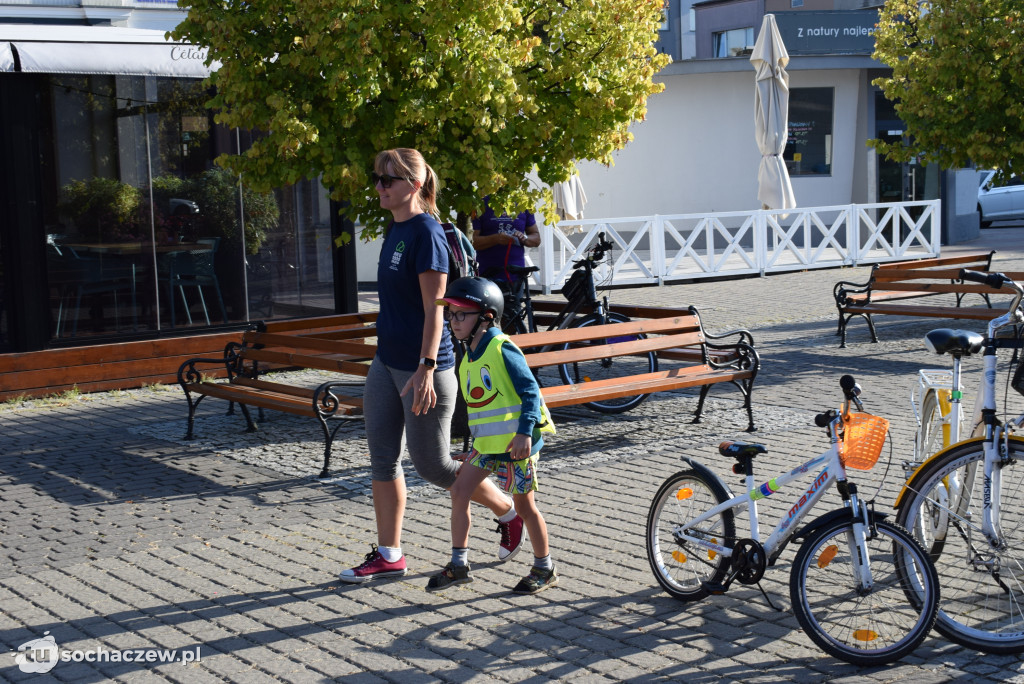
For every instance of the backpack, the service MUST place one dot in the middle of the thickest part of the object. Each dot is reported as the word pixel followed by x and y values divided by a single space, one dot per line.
pixel 461 255
pixel 461 264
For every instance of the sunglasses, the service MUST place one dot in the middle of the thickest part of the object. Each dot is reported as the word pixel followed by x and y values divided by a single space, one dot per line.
pixel 458 316
pixel 385 180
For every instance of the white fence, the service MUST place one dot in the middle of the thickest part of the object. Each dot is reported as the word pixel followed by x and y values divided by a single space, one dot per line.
pixel 662 249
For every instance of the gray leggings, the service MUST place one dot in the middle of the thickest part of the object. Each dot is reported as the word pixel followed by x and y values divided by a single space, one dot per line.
pixel 390 420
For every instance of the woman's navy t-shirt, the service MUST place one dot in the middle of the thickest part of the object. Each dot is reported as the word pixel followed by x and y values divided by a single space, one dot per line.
pixel 410 248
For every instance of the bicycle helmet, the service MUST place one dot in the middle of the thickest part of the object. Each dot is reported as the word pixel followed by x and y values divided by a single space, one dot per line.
pixel 475 292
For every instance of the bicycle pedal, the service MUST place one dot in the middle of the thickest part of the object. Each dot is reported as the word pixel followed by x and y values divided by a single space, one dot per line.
pixel 717 589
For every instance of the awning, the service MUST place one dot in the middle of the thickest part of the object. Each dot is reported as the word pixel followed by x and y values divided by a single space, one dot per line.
pixel 98 50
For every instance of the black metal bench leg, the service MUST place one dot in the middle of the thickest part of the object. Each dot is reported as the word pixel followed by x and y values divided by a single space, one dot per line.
pixel 248 418
pixel 700 403
pixel 191 415
pixel 748 392
pixel 871 327
pixel 328 443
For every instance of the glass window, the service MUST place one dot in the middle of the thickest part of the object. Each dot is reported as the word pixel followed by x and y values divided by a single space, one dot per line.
pixel 809 144
pixel 732 43
pixel 147 234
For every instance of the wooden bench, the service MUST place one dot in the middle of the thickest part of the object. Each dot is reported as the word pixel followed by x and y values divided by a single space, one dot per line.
pixel 892 284
pixel 673 334
pixel 332 343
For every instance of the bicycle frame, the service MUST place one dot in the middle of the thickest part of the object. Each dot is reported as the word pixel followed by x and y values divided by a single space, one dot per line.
pixel 833 472
pixel 994 436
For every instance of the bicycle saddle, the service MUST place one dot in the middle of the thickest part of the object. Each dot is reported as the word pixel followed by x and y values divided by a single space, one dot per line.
pixel 522 270
pixel 740 450
pixel 955 342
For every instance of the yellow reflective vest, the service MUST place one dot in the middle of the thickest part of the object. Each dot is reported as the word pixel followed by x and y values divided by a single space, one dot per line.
pixel 493 403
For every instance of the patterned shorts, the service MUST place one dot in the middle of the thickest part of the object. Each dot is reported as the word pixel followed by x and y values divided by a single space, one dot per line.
pixel 514 477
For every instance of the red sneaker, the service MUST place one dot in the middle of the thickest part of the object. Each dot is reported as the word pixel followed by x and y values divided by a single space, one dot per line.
pixel 373 566
pixel 511 538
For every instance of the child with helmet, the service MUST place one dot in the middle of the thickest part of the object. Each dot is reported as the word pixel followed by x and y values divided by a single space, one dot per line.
pixel 507 418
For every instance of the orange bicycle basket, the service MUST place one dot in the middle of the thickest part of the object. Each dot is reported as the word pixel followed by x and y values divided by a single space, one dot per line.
pixel 863 437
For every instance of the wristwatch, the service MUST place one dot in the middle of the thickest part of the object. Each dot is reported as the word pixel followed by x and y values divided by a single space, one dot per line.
pixel 428 362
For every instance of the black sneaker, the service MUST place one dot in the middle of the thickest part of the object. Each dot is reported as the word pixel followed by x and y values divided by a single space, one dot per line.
pixel 450 576
pixel 538 580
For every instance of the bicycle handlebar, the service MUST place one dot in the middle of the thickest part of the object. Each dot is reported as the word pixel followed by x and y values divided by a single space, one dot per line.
pixel 596 252
pixel 851 392
pixel 993 280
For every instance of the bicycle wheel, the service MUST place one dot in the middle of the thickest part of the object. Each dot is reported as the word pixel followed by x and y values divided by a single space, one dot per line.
pixel 864 626
pixel 982 603
pixel 682 568
pixel 599 369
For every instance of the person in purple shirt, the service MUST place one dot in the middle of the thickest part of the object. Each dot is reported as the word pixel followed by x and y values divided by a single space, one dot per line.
pixel 501 241
pixel 411 388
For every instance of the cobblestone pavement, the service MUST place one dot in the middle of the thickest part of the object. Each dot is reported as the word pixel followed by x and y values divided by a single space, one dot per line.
pixel 117 534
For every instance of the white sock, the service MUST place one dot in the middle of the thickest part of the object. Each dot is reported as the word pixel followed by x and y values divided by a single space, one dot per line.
pixel 543 563
pixel 390 553
pixel 510 516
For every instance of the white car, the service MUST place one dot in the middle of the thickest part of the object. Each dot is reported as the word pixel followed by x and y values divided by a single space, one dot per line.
pixel 1000 202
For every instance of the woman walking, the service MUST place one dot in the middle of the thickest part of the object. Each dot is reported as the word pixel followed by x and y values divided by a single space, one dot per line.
pixel 411 385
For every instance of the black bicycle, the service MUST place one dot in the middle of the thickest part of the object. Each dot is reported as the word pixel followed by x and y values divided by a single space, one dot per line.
pixel 580 292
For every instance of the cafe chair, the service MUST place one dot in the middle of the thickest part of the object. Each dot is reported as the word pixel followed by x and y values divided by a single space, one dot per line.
pixel 192 267
pixel 75 276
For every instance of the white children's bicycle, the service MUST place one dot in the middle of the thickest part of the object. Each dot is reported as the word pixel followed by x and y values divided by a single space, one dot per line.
pixel 963 498
pixel 862 588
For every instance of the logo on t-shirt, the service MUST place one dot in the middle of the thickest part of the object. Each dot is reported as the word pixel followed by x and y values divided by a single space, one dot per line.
pixel 396 258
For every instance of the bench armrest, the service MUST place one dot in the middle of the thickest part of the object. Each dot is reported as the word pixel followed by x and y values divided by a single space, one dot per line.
pixel 742 334
pixel 845 287
pixel 325 401
pixel 188 372
pixel 743 357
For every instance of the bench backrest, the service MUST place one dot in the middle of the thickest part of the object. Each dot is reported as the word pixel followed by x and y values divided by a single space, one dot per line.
pixel 921 276
pixel 980 261
pixel 331 343
pixel 613 339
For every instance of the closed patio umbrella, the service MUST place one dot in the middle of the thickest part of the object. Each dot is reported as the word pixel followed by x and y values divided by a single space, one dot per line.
pixel 569 201
pixel 771 113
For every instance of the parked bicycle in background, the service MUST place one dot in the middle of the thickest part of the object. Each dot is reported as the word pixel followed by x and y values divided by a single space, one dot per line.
pixel 964 503
pixel 580 292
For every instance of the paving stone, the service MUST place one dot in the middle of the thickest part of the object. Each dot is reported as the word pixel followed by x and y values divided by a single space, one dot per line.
pixel 115 531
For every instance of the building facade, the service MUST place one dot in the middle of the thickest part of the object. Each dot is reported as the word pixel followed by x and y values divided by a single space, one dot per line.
pixel 119 224
pixel 695 151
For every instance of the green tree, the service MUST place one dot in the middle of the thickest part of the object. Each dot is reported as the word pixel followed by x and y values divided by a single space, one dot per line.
pixel 488 90
pixel 957 81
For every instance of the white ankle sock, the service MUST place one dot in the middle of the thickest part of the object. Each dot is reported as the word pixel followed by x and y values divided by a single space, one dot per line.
pixel 390 553
pixel 510 516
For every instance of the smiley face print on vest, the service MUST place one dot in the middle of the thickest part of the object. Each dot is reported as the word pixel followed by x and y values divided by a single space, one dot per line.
pixel 481 394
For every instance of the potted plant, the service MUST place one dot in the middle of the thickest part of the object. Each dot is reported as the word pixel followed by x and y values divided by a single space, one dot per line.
pixel 215 196
pixel 103 210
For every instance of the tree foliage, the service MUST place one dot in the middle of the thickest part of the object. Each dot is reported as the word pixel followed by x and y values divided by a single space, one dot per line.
pixel 488 90
pixel 957 81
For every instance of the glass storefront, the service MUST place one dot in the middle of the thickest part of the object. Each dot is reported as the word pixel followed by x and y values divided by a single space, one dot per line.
pixel 145 234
